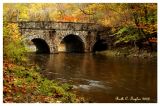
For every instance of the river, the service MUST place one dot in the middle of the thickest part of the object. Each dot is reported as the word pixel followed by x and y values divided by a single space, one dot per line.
pixel 102 79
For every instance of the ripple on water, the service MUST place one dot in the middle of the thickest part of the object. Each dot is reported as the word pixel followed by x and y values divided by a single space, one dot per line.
pixel 85 87
pixel 85 84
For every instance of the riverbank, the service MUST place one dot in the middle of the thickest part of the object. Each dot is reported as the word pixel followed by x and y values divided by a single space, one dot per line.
pixel 22 81
pixel 24 84
pixel 129 53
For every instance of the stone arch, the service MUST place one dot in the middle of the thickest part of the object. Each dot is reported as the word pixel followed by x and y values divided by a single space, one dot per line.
pixel 99 45
pixel 79 34
pixel 43 45
pixel 71 43
pixel 60 35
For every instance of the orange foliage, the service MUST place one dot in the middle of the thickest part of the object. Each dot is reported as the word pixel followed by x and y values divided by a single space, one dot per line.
pixel 153 40
pixel 70 18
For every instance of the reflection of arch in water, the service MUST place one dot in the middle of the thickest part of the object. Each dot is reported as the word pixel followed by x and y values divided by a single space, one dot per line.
pixel 41 45
pixel 71 43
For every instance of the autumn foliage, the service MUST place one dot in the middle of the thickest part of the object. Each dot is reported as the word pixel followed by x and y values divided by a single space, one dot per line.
pixel 131 23
pixel 25 85
pixel 139 19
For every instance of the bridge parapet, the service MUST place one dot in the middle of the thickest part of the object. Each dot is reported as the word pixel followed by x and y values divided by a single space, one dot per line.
pixel 49 25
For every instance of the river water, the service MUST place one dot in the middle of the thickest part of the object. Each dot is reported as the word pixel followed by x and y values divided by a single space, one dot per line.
pixel 102 79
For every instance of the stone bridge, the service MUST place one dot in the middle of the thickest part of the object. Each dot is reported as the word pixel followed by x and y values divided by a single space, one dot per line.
pixel 54 37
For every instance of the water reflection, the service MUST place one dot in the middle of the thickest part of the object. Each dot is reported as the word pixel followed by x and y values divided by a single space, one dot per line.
pixel 102 78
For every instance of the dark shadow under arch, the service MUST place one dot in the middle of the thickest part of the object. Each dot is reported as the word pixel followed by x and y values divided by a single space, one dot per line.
pixel 41 45
pixel 100 45
pixel 71 43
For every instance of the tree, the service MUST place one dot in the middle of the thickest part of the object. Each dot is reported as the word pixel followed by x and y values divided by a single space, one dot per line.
pixel 130 22
pixel 143 24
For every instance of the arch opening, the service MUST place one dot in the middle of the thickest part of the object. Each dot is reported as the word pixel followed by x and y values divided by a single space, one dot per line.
pixel 100 45
pixel 41 45
pixel 71 43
